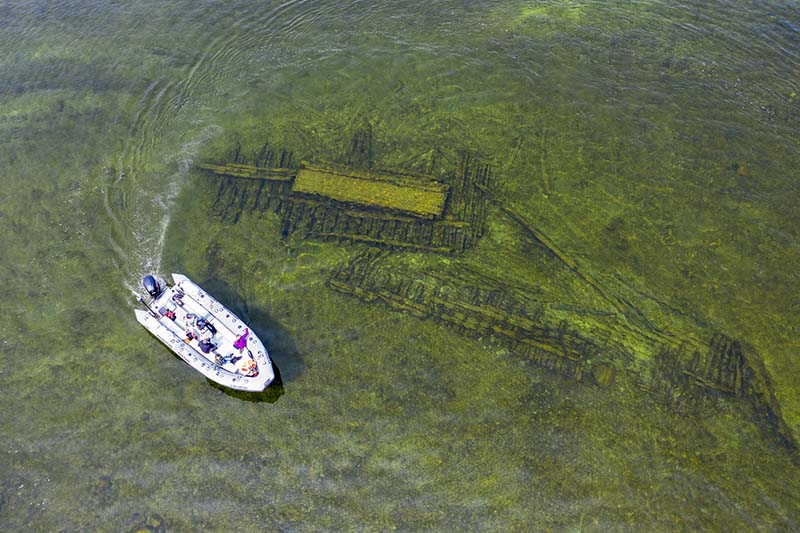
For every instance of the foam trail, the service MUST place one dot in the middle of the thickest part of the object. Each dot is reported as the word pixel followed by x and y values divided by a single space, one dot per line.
pixel 149 238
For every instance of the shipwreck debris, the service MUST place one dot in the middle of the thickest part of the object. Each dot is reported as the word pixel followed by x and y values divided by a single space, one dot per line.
pixel 334 202
pixel 726 368
pixel 579 346
pixel 390 210
pixel 522 326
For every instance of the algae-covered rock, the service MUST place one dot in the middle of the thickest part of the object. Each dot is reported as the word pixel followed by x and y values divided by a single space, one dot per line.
pixel 603 374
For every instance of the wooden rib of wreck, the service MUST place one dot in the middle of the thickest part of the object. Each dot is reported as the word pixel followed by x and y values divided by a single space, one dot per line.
pixel 490 312
pixel 726 368
pixel 674 371
pixel 333 202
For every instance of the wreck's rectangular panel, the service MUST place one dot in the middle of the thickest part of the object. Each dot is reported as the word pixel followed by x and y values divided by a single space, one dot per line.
pixel 405 194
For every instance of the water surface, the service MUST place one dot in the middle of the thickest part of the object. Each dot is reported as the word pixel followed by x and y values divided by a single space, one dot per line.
pixel 656 143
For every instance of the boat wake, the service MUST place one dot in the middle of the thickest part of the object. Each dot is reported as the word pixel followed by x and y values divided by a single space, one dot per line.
pixel 140 191
pixel 139 206
pixel 144 180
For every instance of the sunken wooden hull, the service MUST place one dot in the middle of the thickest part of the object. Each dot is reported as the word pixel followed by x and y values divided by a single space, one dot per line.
pixel 673 369
pixel 405 211
pixel 333 202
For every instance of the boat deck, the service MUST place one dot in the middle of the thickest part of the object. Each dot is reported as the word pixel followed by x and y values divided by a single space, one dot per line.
pixel 203 333
pixel 185 321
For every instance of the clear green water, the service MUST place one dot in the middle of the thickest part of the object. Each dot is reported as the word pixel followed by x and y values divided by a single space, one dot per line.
pixel 655 143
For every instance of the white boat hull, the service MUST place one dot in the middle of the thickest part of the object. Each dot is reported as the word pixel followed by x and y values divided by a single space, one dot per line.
pixel 247 369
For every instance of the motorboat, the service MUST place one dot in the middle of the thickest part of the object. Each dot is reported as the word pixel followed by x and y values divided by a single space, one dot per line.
pixel 205 334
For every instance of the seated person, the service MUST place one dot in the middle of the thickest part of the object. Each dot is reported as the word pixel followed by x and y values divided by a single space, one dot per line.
pixel 206 345
pixel 202 324
pixel 190 324
pixel 169 313
pixel 230 358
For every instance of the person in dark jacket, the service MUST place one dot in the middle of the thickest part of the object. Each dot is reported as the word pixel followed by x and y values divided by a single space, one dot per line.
pixel 206 345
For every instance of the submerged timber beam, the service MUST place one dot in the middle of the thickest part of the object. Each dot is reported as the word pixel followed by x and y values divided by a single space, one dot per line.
pixel 240 170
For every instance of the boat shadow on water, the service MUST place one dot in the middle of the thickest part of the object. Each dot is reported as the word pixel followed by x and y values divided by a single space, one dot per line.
pixel 268 395
pixel 279 344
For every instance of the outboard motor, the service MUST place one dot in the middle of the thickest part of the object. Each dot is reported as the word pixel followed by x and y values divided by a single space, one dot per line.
pixel 151 286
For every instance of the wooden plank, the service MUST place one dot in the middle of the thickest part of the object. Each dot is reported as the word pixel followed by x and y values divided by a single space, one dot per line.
pixel 239 170
pixel 400 193
pixel 386 242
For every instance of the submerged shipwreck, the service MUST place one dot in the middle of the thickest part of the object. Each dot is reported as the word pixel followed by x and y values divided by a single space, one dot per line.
pixel 386 212
pixel 334 202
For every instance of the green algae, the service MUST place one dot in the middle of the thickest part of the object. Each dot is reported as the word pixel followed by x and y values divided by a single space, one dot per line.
pixel 543 21
pixel 638 159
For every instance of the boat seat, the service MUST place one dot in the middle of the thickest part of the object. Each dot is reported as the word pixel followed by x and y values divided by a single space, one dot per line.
pixel 167 312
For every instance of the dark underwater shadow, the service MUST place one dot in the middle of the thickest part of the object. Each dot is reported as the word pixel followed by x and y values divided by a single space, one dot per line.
pixel 269 395
pixel 286 360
